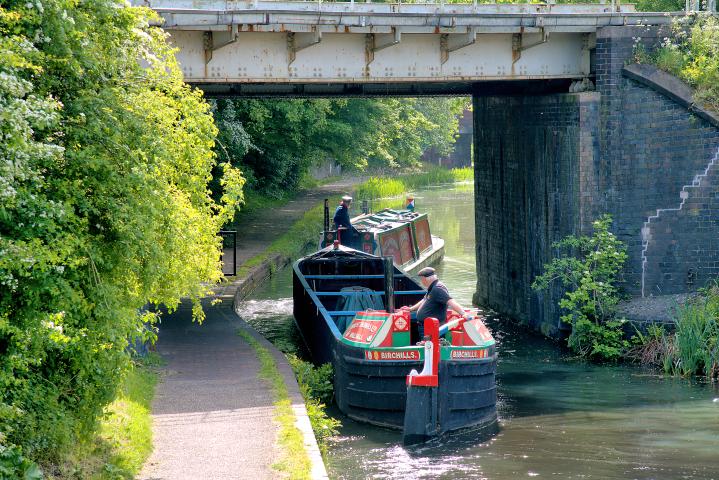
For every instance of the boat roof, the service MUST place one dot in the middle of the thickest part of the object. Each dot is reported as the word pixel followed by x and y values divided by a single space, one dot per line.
pixel 331 251
pixel 386 219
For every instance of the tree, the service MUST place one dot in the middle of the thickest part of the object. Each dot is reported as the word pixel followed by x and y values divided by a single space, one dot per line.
pixel 589 268
pixel 104 169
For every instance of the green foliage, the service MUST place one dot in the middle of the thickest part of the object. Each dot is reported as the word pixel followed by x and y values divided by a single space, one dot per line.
pixel 380 187
pixel 692 54
pixel 276 141
pixel 693 347
pixel 660 5
pixel 317 389
pixel 14 465
pixel 388 187
pixel 696 339
pixel 104 207
pixel 316 381
pixel 588 268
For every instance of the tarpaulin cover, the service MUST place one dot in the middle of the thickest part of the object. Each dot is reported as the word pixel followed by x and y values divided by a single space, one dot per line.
pixel 355 303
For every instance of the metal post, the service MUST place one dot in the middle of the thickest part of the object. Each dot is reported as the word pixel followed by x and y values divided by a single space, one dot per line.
pixel 327 215
pixel 234 257
pixel 225 235
pixel 389 283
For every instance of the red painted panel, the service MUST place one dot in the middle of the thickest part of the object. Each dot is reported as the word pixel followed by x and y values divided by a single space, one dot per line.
pixel 424 239
pixel 405 244
pixel 390 246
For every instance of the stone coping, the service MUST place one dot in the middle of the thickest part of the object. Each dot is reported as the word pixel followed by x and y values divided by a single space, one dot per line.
pixel 242 288
pixel 671 87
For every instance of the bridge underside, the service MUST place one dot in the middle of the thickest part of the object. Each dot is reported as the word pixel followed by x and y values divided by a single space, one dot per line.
pixel 384 89
pixel 375 64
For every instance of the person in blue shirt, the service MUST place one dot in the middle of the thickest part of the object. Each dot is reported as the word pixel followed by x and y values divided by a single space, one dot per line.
pixel 342 221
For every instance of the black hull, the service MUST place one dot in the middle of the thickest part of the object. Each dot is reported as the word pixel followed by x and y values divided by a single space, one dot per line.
pixel 375 392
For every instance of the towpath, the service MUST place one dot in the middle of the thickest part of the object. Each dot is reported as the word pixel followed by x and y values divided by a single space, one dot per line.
pixel 261 228
pixel 212 415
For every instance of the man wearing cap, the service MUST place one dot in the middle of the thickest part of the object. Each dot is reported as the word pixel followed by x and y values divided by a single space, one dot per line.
pixel 435 302
pixel 342 220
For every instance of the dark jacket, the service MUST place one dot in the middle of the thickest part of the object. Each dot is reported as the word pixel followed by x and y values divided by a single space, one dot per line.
pixel 342 217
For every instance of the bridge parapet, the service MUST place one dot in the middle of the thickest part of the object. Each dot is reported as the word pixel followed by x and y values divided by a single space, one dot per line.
pixel 282 16
pixel 316 48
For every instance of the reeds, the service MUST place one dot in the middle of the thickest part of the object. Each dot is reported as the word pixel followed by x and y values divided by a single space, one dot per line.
pixel 696 340
pixel 390 187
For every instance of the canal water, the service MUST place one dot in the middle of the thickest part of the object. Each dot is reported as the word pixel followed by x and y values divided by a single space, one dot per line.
pixel 559 417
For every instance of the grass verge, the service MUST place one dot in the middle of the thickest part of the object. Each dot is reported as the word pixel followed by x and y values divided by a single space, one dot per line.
pixel 124 440
pixel 295 462
pixel 691 53
pixel 388 187
pixel 303 233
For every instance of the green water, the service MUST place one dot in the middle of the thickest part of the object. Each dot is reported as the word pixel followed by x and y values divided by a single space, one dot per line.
pixel 559 417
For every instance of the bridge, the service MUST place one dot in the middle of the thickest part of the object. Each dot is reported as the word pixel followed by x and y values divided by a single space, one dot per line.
pixel 566 128
pixel 320 48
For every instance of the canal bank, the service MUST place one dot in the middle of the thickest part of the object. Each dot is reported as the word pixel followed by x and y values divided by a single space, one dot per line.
pixel 559 416
pixel 213 416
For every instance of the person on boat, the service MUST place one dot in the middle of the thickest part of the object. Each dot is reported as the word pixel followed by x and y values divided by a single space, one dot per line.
pixel 410 203
pixel 342 221
pixel 435 302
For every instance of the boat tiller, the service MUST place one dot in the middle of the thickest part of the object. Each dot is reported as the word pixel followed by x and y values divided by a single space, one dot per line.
pixel 421 413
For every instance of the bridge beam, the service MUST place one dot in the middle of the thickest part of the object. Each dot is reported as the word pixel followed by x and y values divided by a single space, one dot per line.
pixel 329 58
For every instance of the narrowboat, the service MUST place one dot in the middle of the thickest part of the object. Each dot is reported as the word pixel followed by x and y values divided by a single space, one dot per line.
pixel 403 235
pixel 347 307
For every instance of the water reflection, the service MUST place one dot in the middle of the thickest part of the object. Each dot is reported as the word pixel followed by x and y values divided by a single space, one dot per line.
pixel 559 417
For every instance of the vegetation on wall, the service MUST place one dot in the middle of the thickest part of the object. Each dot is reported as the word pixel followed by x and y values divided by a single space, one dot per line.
pixel 692 54
pixel 588 268
pixel 104 207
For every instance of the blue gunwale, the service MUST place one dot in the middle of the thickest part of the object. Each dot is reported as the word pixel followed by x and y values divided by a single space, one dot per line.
pixel 374 390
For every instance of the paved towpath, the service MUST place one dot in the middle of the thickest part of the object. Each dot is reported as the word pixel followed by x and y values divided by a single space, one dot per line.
pixel 260 229
pixel 212 416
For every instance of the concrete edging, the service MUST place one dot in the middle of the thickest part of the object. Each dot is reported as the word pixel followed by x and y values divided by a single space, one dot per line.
pixel 669 86
pixel 257 275
pixel 245 286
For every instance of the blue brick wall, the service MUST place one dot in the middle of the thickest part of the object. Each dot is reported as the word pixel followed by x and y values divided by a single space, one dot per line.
pixel 547 166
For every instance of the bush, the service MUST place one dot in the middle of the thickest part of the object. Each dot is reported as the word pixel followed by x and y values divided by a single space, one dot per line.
pixel 104 168
pixel 13 464
pixel 317 389
pixel 588 268
pixel 692 54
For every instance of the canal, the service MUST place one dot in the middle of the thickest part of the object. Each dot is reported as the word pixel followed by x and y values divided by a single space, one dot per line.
pixel 559 417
